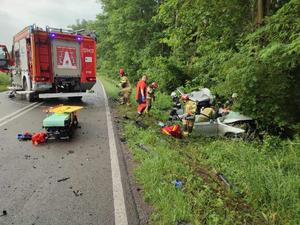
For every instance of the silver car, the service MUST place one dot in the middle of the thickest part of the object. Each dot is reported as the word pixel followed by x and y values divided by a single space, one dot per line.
pixel 216 128
pixel 231 125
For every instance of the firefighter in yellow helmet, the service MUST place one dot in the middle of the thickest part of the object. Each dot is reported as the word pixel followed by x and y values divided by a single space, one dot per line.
pixel 125 88
pixel 188 118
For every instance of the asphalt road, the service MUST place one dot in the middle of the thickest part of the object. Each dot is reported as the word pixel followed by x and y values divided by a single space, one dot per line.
pixel 29 189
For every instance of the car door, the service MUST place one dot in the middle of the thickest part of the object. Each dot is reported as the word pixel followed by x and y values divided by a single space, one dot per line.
pixel 208 129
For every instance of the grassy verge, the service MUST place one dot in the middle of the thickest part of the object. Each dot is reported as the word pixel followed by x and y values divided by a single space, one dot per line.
pixel 4 81
pixel 264 179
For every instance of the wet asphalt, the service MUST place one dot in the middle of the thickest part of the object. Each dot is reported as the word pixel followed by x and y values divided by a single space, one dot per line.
pixel 30 188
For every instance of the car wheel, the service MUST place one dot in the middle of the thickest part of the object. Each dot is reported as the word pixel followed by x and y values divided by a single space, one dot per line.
pixel 232 136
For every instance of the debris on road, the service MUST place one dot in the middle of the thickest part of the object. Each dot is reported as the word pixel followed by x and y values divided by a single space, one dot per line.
pixel 27 156
pixel 63 179
pixel 24 136
pixel 77 193
pixel 4 213
pixel 38 138
pixel 70 152
pixel 123 139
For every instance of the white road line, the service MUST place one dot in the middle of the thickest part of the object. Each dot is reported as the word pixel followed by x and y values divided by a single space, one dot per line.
pixel 18 111
pixel 20 114
pixel 118 195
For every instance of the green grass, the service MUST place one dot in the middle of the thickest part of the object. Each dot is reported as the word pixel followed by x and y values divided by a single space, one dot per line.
pixel 4 81
pixel 265 184
pixel 110 87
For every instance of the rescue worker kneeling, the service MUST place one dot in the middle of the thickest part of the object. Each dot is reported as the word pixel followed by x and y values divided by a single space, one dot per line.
pixel 188 118
pixel 206 115
pixel 125 86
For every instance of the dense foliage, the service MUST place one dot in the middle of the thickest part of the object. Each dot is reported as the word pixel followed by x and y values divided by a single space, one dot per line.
pixel 210 43
pixel 263 178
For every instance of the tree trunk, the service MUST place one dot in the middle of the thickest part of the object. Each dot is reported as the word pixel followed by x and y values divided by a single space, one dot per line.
pixel 260 12
pixel 263 9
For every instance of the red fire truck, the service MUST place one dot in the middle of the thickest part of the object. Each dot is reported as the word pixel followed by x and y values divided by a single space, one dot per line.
pixel 53 62
pixel 5 61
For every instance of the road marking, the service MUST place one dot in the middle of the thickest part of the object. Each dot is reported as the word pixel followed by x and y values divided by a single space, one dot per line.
pixel 18 111
pixel 15 116
pixel 118 195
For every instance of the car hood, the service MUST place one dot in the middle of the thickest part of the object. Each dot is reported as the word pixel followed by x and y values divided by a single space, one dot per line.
pixel 233 117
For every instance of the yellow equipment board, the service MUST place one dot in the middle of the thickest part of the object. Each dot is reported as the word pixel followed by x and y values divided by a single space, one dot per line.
pixel 65 109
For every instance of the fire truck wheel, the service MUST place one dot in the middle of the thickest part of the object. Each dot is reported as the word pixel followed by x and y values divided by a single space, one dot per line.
pixel 29 96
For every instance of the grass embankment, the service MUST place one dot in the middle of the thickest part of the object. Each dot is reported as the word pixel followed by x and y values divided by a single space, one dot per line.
pixel 4 81
pixel 264 179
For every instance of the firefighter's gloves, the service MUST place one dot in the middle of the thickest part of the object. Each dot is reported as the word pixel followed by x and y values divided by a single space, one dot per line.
pixel 183 116
pixel 143 99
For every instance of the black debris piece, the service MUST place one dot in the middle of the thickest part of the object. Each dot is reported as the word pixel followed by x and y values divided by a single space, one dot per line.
pixel 4 213
pixel 63 179
pixel 123 139
pixel 77 193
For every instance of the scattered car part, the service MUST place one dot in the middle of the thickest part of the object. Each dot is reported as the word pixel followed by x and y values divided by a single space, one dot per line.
pixel 63 179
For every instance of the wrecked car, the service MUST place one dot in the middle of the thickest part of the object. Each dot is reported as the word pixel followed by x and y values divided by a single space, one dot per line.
pixel 232 124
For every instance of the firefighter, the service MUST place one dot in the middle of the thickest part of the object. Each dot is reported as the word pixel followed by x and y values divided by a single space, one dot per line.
pixel 206 114
pixel 141 95
pixel 176 106
pixel 150 96
pixel 188 117
pixel 125 88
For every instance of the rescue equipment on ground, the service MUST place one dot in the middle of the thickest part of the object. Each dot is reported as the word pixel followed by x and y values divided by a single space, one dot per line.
pixel 39 138
pixel 62 122
pixel 24 136
pixel 172 130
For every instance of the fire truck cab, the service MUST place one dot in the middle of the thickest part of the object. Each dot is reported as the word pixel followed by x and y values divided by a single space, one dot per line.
pixel 4 59
pixel 53 61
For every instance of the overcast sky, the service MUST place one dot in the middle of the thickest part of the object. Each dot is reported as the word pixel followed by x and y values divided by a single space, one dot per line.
pixel 17 14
